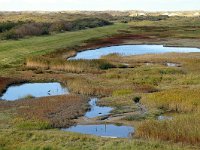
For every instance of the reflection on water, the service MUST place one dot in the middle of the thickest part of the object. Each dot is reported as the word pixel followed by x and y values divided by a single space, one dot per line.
pixel 15 92
pixel 95 110
pixel 103 130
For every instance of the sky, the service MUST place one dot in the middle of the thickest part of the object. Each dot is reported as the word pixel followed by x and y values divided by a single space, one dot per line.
pixel 97 5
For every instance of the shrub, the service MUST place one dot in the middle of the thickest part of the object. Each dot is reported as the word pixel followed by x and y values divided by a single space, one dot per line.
pixel 18 30
pixel 89 23
pixel 28 29
pixel 137 99
pixel 60 26
pixel 6 26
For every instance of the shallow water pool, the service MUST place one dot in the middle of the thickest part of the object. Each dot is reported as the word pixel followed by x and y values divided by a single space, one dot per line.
pixel 127 50
pixel 95 110
pixel 15 92
pixel 103 130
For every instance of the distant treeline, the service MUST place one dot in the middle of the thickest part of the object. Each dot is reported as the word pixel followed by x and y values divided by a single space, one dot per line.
pixel 16 30
pixel 151 18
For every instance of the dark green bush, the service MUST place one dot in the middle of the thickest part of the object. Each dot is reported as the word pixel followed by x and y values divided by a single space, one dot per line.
pixel 89 23
pixel 105 66
pixel 137 99
pixel 6 26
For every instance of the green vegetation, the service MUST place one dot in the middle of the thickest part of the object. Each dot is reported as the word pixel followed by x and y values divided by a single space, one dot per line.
pixel 53 140
pixel 138 92
pixel 12 52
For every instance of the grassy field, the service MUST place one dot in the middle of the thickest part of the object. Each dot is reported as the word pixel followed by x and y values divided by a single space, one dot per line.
pixel 164 90
pixel 14 51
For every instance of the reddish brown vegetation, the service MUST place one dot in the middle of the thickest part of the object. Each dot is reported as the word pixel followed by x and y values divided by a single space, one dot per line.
pixel 115 40
pixel 96 43
pixel 144 88
pixel 58 110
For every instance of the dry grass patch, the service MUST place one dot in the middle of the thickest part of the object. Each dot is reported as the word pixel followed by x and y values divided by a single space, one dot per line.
pixel 74 66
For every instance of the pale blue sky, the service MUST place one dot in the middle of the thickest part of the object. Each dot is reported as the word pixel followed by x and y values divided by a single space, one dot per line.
pixel 58 5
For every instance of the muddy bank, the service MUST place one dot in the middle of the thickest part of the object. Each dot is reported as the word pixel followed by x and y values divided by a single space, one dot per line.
pixel 5 82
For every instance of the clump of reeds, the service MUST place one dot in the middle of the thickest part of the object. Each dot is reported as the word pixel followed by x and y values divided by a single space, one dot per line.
pixel 35 62
pixel 75 66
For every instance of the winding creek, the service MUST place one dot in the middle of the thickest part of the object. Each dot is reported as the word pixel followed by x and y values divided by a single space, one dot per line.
pixel 96 111
pixel 103 129
pixel 16 92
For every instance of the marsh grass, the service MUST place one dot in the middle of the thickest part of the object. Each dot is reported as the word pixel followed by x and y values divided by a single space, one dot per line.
pixel 54 140
pixel 31 124
pixel 89 87
pixel 183 128
pixel 174 100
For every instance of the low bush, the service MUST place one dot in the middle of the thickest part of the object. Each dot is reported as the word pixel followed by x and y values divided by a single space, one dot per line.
pixel 28 29
pixel 18 30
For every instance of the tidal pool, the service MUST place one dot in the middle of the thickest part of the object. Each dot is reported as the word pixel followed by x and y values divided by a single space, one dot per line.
pixel 15 92
pixel 127 50
pixel 172 64
pixel 164 118
pixel 103 130
pixel 95 110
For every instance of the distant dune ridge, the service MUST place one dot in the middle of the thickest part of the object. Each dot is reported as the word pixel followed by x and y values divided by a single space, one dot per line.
pixel 117 13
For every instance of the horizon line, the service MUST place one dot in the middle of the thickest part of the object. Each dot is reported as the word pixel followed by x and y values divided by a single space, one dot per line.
pixel 96 10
